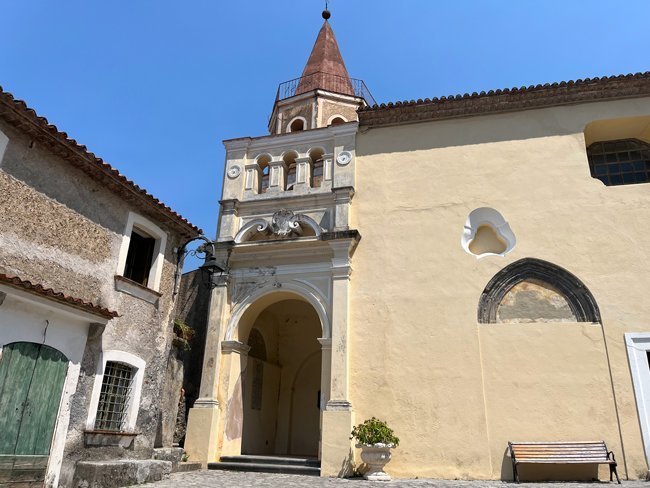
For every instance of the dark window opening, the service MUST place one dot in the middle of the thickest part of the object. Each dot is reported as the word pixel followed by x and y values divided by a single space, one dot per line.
pixel 337 121
pixel 297 125
pixel 265 179
pixel 139 258
pixel 621 162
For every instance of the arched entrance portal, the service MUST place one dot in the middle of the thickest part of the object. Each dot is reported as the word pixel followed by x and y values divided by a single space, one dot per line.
pixel 281 380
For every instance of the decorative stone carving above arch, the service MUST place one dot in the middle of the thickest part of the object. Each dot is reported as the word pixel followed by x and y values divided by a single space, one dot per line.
pixel 284 224
pixel 549 293
pixel 486 233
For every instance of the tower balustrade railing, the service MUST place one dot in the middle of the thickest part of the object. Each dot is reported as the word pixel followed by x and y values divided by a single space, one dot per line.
pixel 325 81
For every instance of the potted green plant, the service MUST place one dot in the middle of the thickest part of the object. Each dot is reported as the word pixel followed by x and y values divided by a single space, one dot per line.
pixel 375 439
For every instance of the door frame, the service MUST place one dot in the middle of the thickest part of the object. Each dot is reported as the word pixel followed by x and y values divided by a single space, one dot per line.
pixel 43 321
pixel 638 346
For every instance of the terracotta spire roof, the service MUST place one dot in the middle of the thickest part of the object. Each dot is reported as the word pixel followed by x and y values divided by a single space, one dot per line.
pixel 325 68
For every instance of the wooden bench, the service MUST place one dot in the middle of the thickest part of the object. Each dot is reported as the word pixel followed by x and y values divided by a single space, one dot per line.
pixel 562 453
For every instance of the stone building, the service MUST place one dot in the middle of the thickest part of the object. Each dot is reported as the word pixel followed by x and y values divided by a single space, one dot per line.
pixel 87 282
pixel 498 293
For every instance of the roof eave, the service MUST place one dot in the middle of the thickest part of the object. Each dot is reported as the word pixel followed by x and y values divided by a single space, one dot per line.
pixel 507 100
pixel 19 115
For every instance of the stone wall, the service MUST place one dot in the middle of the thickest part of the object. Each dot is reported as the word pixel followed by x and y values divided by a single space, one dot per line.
pixel 329 109
pixel 303 110
pixel 62 229
pixel 192 307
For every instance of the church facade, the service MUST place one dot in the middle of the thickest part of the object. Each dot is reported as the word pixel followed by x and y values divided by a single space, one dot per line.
pixel 471 269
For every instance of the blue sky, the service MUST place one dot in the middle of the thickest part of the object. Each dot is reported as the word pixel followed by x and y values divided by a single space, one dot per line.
pixel 154 86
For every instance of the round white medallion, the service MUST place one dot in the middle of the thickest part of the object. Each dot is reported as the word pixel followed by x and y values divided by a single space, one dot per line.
pixel 234 172
pixel 344 158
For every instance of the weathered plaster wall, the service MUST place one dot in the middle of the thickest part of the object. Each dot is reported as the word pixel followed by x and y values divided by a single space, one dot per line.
pixel 328 109
pixel 299 110
pixel 456 391
pixel 62 229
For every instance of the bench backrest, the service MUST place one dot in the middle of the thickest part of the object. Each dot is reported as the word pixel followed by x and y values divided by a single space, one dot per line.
pixel 561 452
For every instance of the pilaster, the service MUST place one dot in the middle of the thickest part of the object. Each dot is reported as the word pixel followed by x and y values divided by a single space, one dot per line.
pixel 228 221
pixel 235 357
pixel 303 174
pixel 201 440
pixel 252 178
pixel 277 176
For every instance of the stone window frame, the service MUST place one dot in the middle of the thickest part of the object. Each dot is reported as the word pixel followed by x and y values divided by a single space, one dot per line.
pixel 304 124
pixel 138 222
pixel 487 216
pixel 638 351
pixel 336 116
pixel 580 300
pixel 138 366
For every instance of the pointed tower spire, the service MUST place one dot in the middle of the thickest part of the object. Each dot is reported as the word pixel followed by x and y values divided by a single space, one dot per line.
pixel 325 69
pixel 324 94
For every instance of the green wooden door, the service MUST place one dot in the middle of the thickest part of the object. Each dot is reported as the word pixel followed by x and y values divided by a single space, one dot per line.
pixel 31 384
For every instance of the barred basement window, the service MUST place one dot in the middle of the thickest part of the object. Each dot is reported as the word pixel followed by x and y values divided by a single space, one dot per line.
pixel 115 397
pixel 620 162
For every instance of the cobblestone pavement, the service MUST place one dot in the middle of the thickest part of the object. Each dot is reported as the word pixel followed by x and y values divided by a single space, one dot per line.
pixel 234 479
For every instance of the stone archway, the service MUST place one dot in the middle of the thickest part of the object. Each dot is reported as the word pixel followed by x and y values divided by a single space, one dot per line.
pixel 275 368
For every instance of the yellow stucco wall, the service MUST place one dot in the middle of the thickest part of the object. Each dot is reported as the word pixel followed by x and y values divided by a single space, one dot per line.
pixel 455 391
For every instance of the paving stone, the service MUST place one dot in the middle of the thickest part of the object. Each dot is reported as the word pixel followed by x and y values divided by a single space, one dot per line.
pixel 233 479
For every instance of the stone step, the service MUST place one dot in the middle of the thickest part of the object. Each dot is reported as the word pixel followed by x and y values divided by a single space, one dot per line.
pixel 186 466
pixel 126 472
pixel 266 468
pixel 283 460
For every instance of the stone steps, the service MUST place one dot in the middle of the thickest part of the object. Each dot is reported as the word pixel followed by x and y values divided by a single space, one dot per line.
pixel 269 464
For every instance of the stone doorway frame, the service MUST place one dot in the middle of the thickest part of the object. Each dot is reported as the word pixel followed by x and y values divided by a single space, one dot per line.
pixel 224 356
pixel 235 353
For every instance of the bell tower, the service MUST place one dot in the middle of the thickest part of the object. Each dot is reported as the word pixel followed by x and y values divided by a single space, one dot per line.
pixel 286 241
pixel 324 94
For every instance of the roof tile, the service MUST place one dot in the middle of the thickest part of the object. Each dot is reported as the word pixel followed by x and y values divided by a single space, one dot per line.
pixel 38 289
pixel 92 162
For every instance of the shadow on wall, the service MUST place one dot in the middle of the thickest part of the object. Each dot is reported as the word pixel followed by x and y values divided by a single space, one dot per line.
pixel 529 124
pixel 552 472
pixel 192 307
pixel 347 466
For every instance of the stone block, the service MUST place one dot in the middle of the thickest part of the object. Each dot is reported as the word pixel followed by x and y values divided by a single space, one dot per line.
pixel 112 474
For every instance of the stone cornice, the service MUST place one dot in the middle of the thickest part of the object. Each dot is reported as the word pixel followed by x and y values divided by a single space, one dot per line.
pixel 507 100
pixel 281 140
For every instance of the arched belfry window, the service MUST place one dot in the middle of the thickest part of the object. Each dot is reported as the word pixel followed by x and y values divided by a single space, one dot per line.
pixel 532 290
pixel 620 162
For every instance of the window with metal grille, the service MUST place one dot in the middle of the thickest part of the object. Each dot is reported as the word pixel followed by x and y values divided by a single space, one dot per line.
pixel 621 162
pixel 114 397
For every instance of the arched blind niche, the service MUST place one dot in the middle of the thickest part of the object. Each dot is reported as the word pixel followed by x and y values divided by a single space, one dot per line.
pixel 532 290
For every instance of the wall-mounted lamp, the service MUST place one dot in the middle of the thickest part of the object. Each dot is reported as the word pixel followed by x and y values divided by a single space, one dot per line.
pixel 210 268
